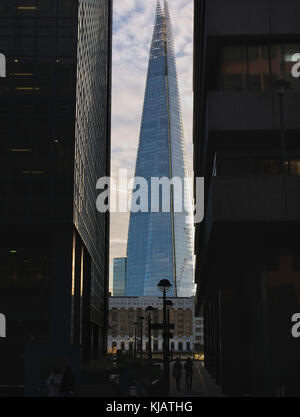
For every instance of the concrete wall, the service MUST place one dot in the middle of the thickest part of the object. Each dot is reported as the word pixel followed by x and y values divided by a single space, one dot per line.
pixel 261 198
pixel 251 110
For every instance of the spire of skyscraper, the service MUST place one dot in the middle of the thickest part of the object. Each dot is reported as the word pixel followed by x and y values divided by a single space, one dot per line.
pixel 160 244
pixel 166 7
pixel 158 8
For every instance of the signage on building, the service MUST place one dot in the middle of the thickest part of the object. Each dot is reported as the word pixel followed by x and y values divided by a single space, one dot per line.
pixel 160 326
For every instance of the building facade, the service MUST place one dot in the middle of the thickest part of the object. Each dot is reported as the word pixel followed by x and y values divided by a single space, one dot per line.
pixel 198 334
pixel 119 277
pixel 246 146
pixel 125 311
pixel 55 144
pixel 160 243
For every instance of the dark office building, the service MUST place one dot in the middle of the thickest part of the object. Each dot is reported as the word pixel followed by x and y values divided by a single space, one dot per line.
pixel 55 144
pixel 247 146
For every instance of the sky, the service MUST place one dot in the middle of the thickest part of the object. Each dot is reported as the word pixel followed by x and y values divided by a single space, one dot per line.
pixel 132 34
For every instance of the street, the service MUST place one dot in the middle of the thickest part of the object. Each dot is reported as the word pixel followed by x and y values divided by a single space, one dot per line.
pixel 203 385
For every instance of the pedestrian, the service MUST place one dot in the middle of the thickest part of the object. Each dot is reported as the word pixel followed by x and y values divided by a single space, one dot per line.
pixel 54 382
pixel 68 383
pixel 188 367
pixel 177 368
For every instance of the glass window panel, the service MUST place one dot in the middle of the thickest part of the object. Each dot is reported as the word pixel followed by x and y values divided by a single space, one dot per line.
pixel 6 45
pixel 67 8
pixel 25 46
pixel 7 8
pixel 66 46
pixel 259 69
pixel 46 46
pixel 234 67
pixel 295 167
pixel 255 67
pixel 46 7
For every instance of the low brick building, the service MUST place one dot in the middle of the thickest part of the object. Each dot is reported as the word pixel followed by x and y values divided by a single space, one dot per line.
pixel 125 311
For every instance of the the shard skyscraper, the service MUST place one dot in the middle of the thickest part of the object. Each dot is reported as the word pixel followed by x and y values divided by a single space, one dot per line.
pixel 160 244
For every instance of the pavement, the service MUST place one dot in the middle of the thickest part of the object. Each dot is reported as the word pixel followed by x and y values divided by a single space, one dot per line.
pixel 203 384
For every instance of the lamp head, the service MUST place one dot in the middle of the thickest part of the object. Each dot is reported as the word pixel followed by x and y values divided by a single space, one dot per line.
pixel 164 285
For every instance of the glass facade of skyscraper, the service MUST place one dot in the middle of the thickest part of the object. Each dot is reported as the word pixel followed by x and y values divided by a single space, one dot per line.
pixel 119 274
pixel 160 244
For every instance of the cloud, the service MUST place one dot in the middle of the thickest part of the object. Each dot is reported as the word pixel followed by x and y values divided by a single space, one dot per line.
pixel 132 33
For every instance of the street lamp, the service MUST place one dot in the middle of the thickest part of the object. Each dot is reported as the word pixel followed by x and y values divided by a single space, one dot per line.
pixel 135 325
pixel 280 86
pixel 141 350
pixel 149 309
pixel 164 286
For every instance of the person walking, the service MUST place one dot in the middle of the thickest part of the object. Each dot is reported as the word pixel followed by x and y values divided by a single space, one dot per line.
pixel 54 382
pixel 188 367
pixel 67 383
pixel 177 368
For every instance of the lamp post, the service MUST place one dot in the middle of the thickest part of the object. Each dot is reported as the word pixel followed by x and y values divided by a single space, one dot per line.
pixel 141 350
pixel 169 304
pixel 149 309
pixel 135 325
pixel 164 286
pixel 280 87
pixel 130 343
